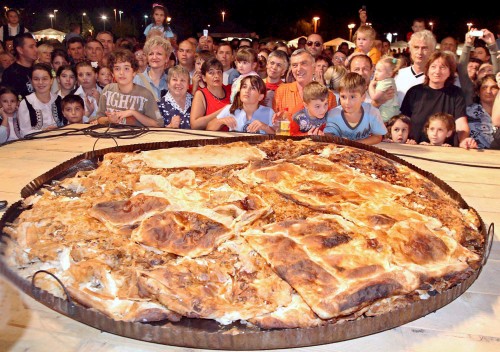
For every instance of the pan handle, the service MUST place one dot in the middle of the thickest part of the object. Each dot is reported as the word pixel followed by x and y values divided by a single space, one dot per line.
pixel 71 308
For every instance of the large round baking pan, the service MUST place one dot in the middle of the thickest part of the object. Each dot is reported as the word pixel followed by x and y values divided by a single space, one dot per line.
pixel 209 334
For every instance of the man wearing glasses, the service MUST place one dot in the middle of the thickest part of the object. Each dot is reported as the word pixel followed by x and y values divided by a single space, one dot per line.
pixel 314 45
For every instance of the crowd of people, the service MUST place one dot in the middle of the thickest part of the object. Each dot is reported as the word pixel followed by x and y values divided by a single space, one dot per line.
pixel 368 93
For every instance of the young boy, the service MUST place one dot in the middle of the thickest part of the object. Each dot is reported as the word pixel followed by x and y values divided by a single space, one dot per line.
pixel 354 119
pixel 73 108
pixel 125 102
pixel 313 115
pixel 277 64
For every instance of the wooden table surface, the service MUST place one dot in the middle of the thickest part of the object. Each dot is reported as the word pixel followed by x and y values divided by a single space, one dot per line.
pixel 470 323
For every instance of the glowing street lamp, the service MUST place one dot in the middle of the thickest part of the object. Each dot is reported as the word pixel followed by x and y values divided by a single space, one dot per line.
pixel 51 20
pixel 55 13
pixel 350 26
pixel 369 24
pixel 469 25
pixel 315 19
pixel 223 13
pixel 83 15
pixel 145 20
pixel 115 14
pixel 169 19
pixel 432 26
pixel 104 18
pixel 395 37
pixel 120 13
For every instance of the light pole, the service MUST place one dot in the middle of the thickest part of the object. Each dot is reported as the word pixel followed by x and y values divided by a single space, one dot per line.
pixel 469 25
pixel 120 13
pixel 315 19
pixel 432 26
pixel 55 12
pixel 51 20
pixel 104 18
pixel 223 13
pixel 83 15
pixel 395 37
pixel 145 20
pixel 115 14
pixel 350 26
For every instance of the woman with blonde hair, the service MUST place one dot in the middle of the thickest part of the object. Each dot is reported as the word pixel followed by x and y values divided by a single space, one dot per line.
pixel 157 50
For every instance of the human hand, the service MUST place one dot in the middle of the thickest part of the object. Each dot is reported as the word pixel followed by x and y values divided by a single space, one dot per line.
pixel 90 106
pixel 498 79
pixel 411 141
pixel 229 122
pixel 468 143
pixel 469 39
pixel 175 122
pixel 95 94
pixel 255 126
pixel 118 116
pixel 277 116
pixel 488 37
pixel 316 131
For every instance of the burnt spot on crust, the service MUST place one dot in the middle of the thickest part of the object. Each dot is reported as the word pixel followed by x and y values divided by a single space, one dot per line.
pixel 423 248
pixel 381 220
pixel 335 240
pixel 370 293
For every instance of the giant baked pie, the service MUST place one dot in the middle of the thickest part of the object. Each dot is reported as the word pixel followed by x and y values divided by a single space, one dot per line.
pixel 281 234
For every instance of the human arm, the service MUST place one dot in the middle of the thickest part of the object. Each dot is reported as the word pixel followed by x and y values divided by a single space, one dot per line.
pixel 256 126
pixel 198 119
pixel 463 134
pixel 129 117
pixel 489 39
pixel 495 115
pixel 4 127
pixel 371 140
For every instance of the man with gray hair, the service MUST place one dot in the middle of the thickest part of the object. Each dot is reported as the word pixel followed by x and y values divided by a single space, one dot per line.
pixel 422 44
pixel 288 96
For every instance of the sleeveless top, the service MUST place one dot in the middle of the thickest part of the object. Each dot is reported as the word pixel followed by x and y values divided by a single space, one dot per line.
pixel 214 103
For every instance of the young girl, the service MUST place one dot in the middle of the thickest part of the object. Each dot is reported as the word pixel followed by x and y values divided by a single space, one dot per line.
pixel 88 89
pixel 40 110
pixel 438 128
pixel 365 43
pixel 246 114
pixel 104 76
pixel 9 126
pixel 398 128
pixel 159 15
pixel 246 64
pixel 383 78
pixel 66 79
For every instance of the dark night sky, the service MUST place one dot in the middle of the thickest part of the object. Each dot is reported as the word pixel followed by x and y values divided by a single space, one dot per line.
pixel 276 17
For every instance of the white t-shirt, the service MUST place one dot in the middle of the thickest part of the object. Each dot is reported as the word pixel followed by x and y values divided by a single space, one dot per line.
pixel 405 79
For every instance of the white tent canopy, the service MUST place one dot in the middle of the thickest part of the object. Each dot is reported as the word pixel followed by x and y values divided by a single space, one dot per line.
pixel 49 33
pixel 295 42
pixel 337 41
pixel 400 44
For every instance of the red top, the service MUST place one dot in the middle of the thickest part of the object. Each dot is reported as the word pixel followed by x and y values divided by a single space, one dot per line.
pixel 213 103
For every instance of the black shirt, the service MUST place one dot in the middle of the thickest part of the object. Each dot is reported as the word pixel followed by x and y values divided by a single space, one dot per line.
pixel 18 77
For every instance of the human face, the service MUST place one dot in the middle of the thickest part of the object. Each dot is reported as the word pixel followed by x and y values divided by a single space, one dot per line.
pixel 185 54
pixel 361 65
pixel 250 94
pixel 58 62
pixel 484 69
pixel 364 42
pixel 67 79
pixel 302 68
pixel 157 57
pixel 123 73
pixel 73 112
pixel 86 77
pixel 339 58
pixel 178 85
pixel 448 44
pixel 8 102
pixel 314 44
pixel 399 132
pixel 197 65
pixel 386 48
pixel 225 56
pixel 245 67
pixel 382 71
pixel 351 101
pixel 94 51
pixel 488 91
pixel 317 108
pixel 276 68
pixel 437 132
pixel 44 56
pixel 472 68
pixel 104 77
pixel 418 26
pixel 75 50
pixel 141 58
pixel 29 50
pixel 481 54
pixel 42 81
pixel 107 42
pixel 321 65
pixel 13 17
pixel 6 61
pixel 159 17
pixel 438 73
pixel 213 77
pixel 420 52
pixel 207 43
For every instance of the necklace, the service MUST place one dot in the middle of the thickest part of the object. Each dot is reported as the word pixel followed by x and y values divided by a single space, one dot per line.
pixel 216 97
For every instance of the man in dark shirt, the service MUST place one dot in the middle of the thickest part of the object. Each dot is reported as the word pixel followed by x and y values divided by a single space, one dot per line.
pixel 18 75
